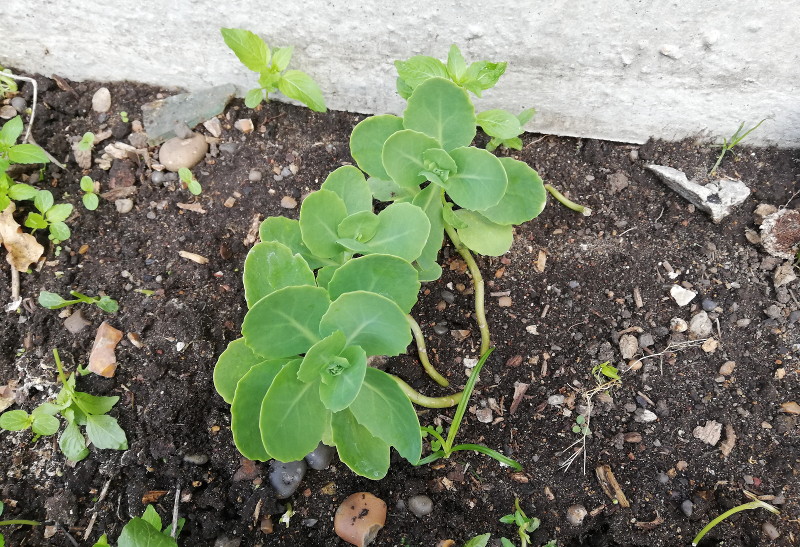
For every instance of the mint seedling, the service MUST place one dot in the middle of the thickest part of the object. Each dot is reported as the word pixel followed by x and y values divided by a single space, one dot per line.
pixel 524 525
pixel 90 198
pixel 146 530
pixel 12 153
pixel 188 179
pixel 78 409
pixel 53 301
pixel 271 66
pixel 87 141
pixel 50 216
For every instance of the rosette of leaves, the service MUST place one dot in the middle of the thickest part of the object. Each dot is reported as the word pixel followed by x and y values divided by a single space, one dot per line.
pixel 271 66
pixel 12 153
pixel 426 158
pixel 51 216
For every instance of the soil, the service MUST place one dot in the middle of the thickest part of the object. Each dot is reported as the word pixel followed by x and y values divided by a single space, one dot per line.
pixel 604 276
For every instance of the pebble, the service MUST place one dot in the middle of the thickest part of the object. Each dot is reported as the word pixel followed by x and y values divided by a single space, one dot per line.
pixel 151 215
pixel 124 205
pixel 727 368
pixel 441 328
pixel 628 346
pixel 288 202
pixel 555 400
pixel 213 126
pixel 245 125
pixel 157 177
pixel 504 301
pixel 196 459
pixel 644 416
pixel 19 104
pixel 676 324
pixel 228 147
pixel 76 322
pixel 708 304
pixel 320 458
pixel 575 514
pixel 223 541
pixel 484 415
pixel 101 100
pixel 448 297
pixel 710 345
pixel 359 518
pixel 794 317
pixel 285 478
pixel 177 152
pixel 7 112
pixel 420 505
pixel 663 478
pixel 770 531
pixel 681 296
pixel 687 507
pixel 745 322
pixel 700 325
pixel 138 140
pixel 773 312
pixel 254 175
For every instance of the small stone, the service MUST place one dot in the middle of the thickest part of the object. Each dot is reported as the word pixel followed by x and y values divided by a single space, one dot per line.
pixel 420 505
pixel 177 152
pixel 229 147
pixel 676 324
pixel 19 104
pixel 224 541
pixel 773 312
pixel 266 526
pixel 359 518
pixel 196 459
pixel 644 416
pixel 628 346
pixel 556 400
pixel 121 175
pixel 700 326
pixel 770 531
pixel 157 177
pixel 448 297
pixel 780 233
pixel 791 407
pixel 646 340
pixel 124 205
pixel 709 433
pixel 101 100
pixel 245 125
pixel 727 368
pixel 76 322
pixel 744 322
pixel 633 437
pixel 190 108
pixel 213 126
pixel 708 304
pixel 784 274
pixel 762 211
pixel 681 296
pixel 504 301
pixel 618 182
pixel 7 112
pixel 687 507
pixel 710 345
pixel 254 175
pixel 575 514
pixel 663 478
pixel 102 359
pixel 285 478
pixel 138 140
pixel 484 415
pixel 320 458
pixel 288 202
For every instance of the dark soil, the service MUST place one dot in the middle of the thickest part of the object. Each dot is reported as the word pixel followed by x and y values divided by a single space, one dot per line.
pixel 561 322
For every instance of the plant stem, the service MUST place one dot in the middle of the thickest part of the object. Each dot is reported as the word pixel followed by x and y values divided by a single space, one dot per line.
pixel 423 353
pixel 462 407
pixel 19 522
pixel 585 211
pixel 417 398
pixel 756 504
pixel 33 106
pixel 477 283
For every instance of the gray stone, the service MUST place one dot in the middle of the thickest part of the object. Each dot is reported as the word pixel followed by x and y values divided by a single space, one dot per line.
pixel 715 198
pixel 76 322
pixel 285 478
pixel 448 297
pixel 101 100
pixel 224 541
pixel 254 175
pixel 644 416
pixel 420 505
pixel 700 325
pixel 320 458
pixel 556 400
pixel 770 531
pixel 7 112
pixel 182 131
pixel 687 507
pixel 618 182
pixel 196 459
pixel 773 312
pixel 160 116
pixel 124 205
pixel 138 140
pixel 19 104
pixel 646 340
pixel 214 127
pixel 780 233
pixel 177 152
pixel 157 177
pixel 794 317
pixel 229 147
pixel 784 274
pixel 708 304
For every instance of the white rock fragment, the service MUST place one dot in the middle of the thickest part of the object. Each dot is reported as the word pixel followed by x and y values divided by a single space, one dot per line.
pixel 484 415
pixel 780 233
pixel 245 125
pixel 700 326
pixel 715 198
pixel 213 126
pixel 681 296
pixel 101 100
pixel 709 433
pixel 676 324
pixel 532 329
pixel 710 345
pixel 784 274
pixel 628 346
pixel 671 51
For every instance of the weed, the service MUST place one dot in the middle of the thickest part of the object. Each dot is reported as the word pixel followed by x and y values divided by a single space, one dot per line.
pixel 187 178
pixel 755 504
pixel 53 301
pixel 90 198
pixel 728 144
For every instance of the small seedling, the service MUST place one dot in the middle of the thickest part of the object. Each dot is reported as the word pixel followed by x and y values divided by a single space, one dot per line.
pixel 53 301
pixel 13 523
pixel 504 127
pixel 188 179
pixel 755 504
pixel 524 524
pixel 581 427
pixel 7 85
pixel 443 448
pixel 287 515
pixel 50 216
pixel 12 153
pixel 78 409
pixel 87 141
pixel 146 530
pixel 123 116
pixel 254 53
pixel 728 144
pixel 90 198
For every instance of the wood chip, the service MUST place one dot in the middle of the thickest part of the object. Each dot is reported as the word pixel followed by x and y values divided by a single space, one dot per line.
pixel 637 297
pixel 193 257
pixel 650 525
pixel 729 442
pixel 195 207
pixel 610 486
pixel 519 392
pixel 541 262
pixel 520 478
pixel 7 394
pixel 153 496
pixel 23 249
pixel 709 433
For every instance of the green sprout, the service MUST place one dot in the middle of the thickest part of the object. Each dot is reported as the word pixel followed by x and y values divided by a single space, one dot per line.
pixel 87 141
pixel 90 198
pixel 53 301
pixel 188 179
pixel 524 524
pixel 123 116
pixel 728 144
pixel 755 504
pixel 287 515
pixel 51 215
pixel 581 427
pixel 566 202
pixel 146 530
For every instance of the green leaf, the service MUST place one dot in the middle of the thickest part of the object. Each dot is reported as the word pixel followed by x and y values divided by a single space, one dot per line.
pixel 293 418
pixel 360 226
pixel 484 236
pixel 515 143
pixel 324 275
pixel 286 322
pixel 525 116
pixel 387 275
pixel 456 66
pixel 281 57
pixel 525 196
pixel 482 75
pixel 194 187
pixel 505 542
pixel 481 180
pixel 419 69
pixel 21 191
pixel 46 409
pixel 72 443
pixel 87 184
pixel 35 221
pixel 270 266
pixel 15 420
pixel 403 89
pixel 90 201
pixel 402 231
pixel 319 355
pixel 287 231
pixel 430 201
pixel 107 304
pixel 508 519
pixel 367 140
pixel 139 533
pixel 340 387
pixel 93 404
pixel 299 86
pixel 251 50
pixel 59 231
pixel 246 407
pixel 383 408
pixel 101 542
pixel 349 183
pixel 449 217
pixel 151 517
pixel 478 541
pixel 43 201
pixel 499 123
pixel 58 213
pixel 27 153
pixel 269 81
pixel 11 131
pixel 438 158
pixel 253 97
pixel 389 190
pixel 442 110
pixel 52 300
pixel 104 432
pixel 368 320
pixel 320 215
pixel 403 157
pixel 233 364
pixel 4 202
pixel 361 451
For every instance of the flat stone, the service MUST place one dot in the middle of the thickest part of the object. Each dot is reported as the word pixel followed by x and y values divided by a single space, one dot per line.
pixel 618 182
pixel 121 175
pixel 420 505
pixel 101 100
pixel 628 346
pixel 681 296
pixel 709 433
pixel 138 140
pixel 780 233
pixel 7 111
pixel 76 322
pixel 245 125
pixel 177 153
pixel 213 126
pixel 716 198
pixel 161 116
pixel 288 202
pixel 320 458
pixel 784 274
pixel 727 368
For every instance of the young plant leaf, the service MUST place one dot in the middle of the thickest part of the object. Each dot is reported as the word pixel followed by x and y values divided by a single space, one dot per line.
pixel 387 275
pixel 233 364
pixel 430 201
pixel 281 57
pixel 72 443
pixel 349 183
pixel 299 86
pixel 93 404
pixel 456 66
pixel 151 517
pixel 402 231
pixel 403 157
pixel 104 432
pixel 324 275
pixel 250 392
pixel 320 215
pixel 364 453
pixel 15 420
pixel 482 75
pixel 270 266
pixel 27 153
pixel 11 131
pixel 319 355
pixel 484 236
pixel 139 533
pixel 367 140
pixel 52 300
pixel 481 180
pixel 419 69
pixel 90 201
pixel 442 110
pixel 525 196
pixel 287 231
pixel 253 97
pixel 59 231
pixel 21 191
pixel 479 541
pixel 251 50
pixel 359 226
pixel 340 385
pixel 499 123
pixel 58 213
pixel 43 201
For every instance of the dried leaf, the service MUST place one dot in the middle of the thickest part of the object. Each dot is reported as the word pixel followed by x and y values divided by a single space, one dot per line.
pixel 153 496
pixel 102 360
pixel 7 393
pixel 709 433
pixel 650 525
pixel 195 207
pixel 519 392
pixel 790 408
pixel 193 257
pixel 23 249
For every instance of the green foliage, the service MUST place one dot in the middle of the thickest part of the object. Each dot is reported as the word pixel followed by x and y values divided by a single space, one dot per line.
pixel 12 153
pixel 581 427
pixel 728 144
pixel 187 177
pixel 87 141
pixel 755 504
pixel 504 128
pixel 90 198
pixel 146 530
pixel 7 84
pixel 53 301
pixel 604 372
pixel 51 215
pixel 271 66
pixel 78 409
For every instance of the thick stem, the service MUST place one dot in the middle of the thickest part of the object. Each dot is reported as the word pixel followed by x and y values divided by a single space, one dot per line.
pixel 428 402
pixel 561 198
pixel 477 283
pixel 422 351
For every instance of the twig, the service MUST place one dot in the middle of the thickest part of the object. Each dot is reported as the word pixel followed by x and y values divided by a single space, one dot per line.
pixel 94 514
pixel 175 510
pixel 33 106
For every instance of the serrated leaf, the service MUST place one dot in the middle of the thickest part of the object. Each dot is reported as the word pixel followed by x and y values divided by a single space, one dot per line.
pixel 525 196
pixel 349 183
pixel 11 131
pixel 499 123
pixel 442 110
pixel 456 66
pixel 233 364
pixel 387 275
pixel 270 266
pixel 21 191
pixel 251 50
pixel 403 157
pixel 484 236
pixel 364 453
pixel 481 180
pixel 386 412
pixel 15 420
pixel 320 215
pixel 72 443
pixel 319 355
pixel 286 322
pixel 105 432
pixel 151 517
pixel 367 140
pixel 419 69
pixel 368 320
pixel 27 153
pixel 246 407
pixel 301 87
pixel 482 75
pixel 340 385
pixel 253 97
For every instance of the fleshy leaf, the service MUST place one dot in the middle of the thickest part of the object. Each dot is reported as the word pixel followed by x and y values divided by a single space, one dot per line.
pixel 349 184
pixel 324 275
pixel 387 275
pixel 250 392
pixel 484 236
pixel 286 322
pixel 369 320
pixel 319 355
pixel 234 363
pixel 402 231
pixel 287 231
pixel 430 201
pixel 360 226
pixel 367 140
pixel 270 266
pixel 525 195
pixel 388 190
pixel 403 157
pixel 361 451
pixel 320 214
pixel 481 180
pixel 442 110
pixel 338 390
